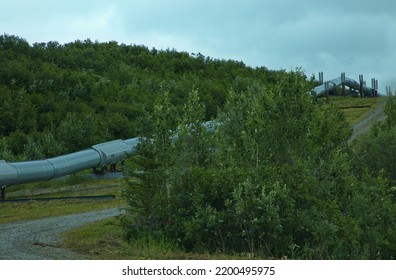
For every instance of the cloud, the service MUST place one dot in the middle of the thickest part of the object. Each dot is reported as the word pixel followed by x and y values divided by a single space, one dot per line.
pixel 102 24
pixel 94 22
pixel 63 21
pixel 356 36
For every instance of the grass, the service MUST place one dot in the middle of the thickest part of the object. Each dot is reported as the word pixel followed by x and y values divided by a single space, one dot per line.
pixel 73 185
pixel 13 211
pixel 104 241
pixel 355 108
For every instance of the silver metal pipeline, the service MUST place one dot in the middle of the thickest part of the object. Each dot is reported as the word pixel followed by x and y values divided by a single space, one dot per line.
pixel 97 156
pixel 47 169
pixel 332 84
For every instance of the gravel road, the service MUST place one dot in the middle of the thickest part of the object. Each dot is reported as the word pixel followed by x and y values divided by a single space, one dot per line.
pixel 38 239
pixel 364 125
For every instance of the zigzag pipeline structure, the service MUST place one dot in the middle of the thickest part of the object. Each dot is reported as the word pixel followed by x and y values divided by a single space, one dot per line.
pixel 325 88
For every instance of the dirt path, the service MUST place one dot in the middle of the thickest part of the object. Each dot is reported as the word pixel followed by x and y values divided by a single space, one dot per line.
pixel 364 125
pixel 38 239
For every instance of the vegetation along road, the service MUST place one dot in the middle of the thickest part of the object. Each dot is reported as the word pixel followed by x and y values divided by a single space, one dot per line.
pixel 38 239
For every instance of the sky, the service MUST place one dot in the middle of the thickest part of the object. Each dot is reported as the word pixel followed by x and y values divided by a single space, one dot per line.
pixel 351 36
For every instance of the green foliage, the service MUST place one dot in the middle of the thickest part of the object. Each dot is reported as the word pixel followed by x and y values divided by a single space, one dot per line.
pixel 5 152
pixel 149 190
pixel 390 110
pixel 75 133
pixel 33 150
pixel 376 151
pixel 84 92
pixel 275 179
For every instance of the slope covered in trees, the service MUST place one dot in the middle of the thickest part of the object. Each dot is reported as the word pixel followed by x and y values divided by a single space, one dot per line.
pixel 59 98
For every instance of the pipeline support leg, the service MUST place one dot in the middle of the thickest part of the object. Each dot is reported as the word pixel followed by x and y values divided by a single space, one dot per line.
pixel 2 193
pixel 113 167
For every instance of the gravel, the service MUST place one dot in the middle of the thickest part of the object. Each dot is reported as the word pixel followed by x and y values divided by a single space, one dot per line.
pixel 364 125
pixel 39 240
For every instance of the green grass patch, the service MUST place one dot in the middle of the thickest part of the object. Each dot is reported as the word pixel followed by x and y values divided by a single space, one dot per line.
pixel 350 101
pixel 74 185
pixel 12 212
pixel 104 240
pixel 15 211
pixel 355 108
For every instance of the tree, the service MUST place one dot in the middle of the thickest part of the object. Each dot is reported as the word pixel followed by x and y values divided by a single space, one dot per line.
pixel 5 152
pixel 33 150
pixel 79 132
pixel 149 190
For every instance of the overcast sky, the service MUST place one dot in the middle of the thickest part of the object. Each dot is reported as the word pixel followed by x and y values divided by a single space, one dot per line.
pixel 352 36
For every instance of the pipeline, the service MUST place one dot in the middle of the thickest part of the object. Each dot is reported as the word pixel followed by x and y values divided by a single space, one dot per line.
pixel 43 170
pixel 331 85
pixel 47 169
pixel 117 150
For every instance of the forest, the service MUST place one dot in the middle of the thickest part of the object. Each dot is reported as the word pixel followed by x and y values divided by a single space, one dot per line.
pixel 275 179
pixel 62 98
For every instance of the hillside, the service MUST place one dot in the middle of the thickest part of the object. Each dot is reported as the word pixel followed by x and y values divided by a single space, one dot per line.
pixel 60 98
pixel 277 179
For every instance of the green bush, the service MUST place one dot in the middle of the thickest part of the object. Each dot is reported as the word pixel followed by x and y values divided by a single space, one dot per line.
pixel 274 180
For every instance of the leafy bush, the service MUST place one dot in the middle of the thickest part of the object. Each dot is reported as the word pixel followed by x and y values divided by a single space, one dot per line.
pixel 275 179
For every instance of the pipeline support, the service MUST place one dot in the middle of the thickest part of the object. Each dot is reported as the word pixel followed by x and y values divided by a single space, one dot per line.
pixel 2 193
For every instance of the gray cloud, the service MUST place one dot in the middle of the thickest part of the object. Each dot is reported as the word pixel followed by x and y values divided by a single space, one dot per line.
pixel 330 36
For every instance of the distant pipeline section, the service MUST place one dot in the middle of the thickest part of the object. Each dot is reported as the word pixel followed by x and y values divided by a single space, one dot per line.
pixel 328 86
pixel 47 169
